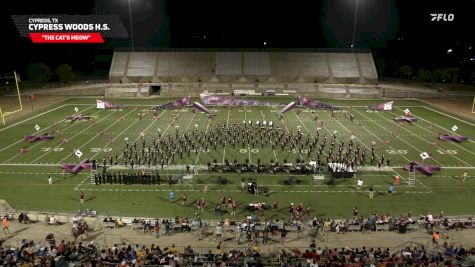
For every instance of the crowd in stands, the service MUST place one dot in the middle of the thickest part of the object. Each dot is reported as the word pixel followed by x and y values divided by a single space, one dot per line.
pixel 30 253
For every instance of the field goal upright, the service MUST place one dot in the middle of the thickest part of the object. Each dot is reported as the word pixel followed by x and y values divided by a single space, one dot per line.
pixel 4 114
pixel 473 105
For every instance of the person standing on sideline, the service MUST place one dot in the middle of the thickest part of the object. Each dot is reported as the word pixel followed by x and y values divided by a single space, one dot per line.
pixel 390 190
pixel 396 180
pixel 465 174
pixel 205 189
pixel 371 192
pixel 5 225
pixel 50 180
pixel 172 196
pixel 81 197
pixel 359 184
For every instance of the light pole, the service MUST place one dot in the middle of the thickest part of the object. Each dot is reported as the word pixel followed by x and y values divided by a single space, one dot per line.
pixel 132 28
pixel 354 25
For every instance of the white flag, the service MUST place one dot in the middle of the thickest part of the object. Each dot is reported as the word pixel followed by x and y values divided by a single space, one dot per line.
pixel 78 153
pixel 159 129
pixel 319 128
pixel 37 127
pixel 407 111
pixel 424 155
pixel 126 139
pixel 454 128
pixel 142 134
pixel 334 132
pixel 353 137
pixel 177 126
pixel 76 109
pixel 373 142
pixel 196 125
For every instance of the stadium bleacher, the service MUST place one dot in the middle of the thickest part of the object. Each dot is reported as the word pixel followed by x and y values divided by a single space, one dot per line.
pixel 293 70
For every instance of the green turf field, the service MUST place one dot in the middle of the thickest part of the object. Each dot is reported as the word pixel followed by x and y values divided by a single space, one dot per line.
pixel 23 177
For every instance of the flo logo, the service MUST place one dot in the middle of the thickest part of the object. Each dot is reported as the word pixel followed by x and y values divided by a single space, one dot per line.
pixel 442 17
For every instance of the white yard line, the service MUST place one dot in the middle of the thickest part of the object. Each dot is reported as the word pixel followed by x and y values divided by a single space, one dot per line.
pixel 76 134
pixel 225 144
pixel 441 126
pixel 41 114
pixel 390 146
pixel 370 149
pixel 135 140
pixel 121 133
pixel 346 106
pixel 402 177
pixel 41 130
pixel 447 115
pixel 248 146
pixel 273 150
pixel 416 180
pixel 201 147
pixel 41 143
pixel 457 158
pixel 30 164
pixel 87 177
pixel 183 108
pixel 397 136
pixel 453 143
pixel 91 139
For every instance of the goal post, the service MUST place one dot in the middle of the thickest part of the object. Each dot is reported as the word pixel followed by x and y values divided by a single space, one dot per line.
pixel 473 105
pixel 4 114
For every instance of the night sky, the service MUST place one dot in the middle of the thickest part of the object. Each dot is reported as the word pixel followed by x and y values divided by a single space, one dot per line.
pixel 398 32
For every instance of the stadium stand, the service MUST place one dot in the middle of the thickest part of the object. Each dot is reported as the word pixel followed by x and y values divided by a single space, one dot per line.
pixel 141 66
pixel 228 63
pixel 301 71
pixel 118 67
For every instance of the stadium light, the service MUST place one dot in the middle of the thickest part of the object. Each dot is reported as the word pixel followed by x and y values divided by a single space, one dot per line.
pixel 131 27
pixel 354 25
pixel 449 50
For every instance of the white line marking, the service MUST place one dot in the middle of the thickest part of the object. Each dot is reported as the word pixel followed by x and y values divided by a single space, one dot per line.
pixel 41 114
pixel 443 127
pixel 40 143
pixel 455 118
pixel 42 130
pixel 130 125
pixel 457 158
pixel 227 124
pixel 201 147
pixel 91 139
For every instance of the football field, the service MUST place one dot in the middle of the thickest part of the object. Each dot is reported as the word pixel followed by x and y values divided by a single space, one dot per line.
pixel 25 166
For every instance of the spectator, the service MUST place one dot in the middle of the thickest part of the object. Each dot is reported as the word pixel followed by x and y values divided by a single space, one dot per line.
pixel 6 225
pixel 390 190
pixel 81 197
pixel 435 237
pixel 172 196
pixel 219 232
pixel 359 184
